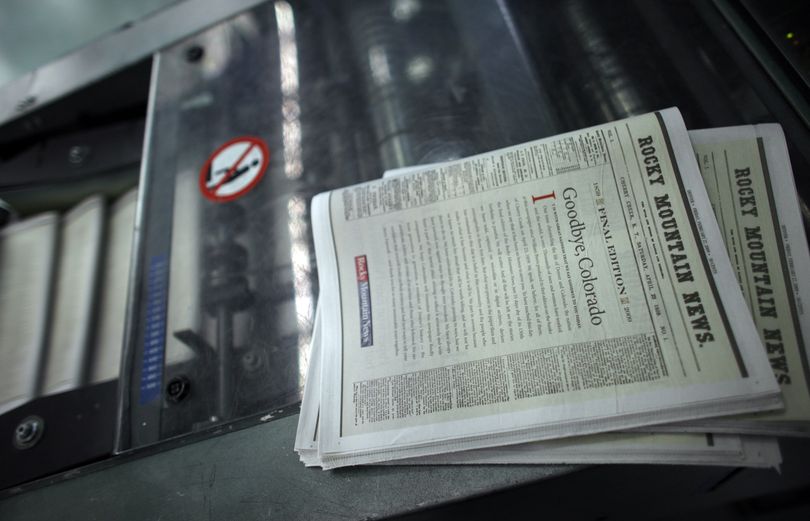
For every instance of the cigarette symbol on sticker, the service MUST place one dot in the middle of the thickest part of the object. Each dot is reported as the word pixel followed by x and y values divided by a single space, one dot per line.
pixel 234 169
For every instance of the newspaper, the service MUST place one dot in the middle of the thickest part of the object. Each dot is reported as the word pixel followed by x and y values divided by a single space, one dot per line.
pixel 749 181
pixel 725 450
pixel 639 448
pixel 109 333
pixel 750 184
pixel 28 251
pixel 551 289
pixel 73 304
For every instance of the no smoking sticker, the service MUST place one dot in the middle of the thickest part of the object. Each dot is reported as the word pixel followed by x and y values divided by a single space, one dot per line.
pixel 234 169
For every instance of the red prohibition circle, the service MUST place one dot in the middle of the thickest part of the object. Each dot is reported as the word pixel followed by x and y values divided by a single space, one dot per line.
pixel 210 193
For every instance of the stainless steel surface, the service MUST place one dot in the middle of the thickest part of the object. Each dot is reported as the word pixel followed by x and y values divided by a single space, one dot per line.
pixel 113 51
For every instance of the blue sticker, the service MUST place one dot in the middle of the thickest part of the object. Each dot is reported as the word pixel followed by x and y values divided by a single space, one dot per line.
pixel 154 335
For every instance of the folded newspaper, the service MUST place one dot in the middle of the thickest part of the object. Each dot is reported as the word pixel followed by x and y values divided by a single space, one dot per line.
pixel 682 449
pixel 746 170
pixel 568 286
pixel 750 184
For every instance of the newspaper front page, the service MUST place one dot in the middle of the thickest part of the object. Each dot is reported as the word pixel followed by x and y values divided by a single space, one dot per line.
pixel 545 290
pixel 749 181
pixel 750 184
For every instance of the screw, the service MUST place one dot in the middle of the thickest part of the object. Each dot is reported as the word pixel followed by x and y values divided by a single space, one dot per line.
pixel 194 53
pixel 78 154
pixel 177 389
pixel 28 432
pixel 251 361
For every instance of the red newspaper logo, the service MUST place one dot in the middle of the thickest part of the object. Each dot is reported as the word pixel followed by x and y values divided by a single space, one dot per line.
pixel 361 267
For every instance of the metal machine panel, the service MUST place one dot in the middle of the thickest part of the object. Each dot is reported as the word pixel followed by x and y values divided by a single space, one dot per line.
pixel 249 120
pixel 223 287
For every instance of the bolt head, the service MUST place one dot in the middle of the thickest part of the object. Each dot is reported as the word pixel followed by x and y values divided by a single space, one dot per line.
pixel 194 53
pixel 251 361
pixel 178 388
pixel 78 154
pixel 28 432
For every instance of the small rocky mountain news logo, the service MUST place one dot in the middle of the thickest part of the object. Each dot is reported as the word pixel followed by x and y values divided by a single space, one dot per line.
pixel 364 291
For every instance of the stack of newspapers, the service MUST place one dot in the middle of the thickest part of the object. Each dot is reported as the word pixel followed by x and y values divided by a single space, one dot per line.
pixel 63 290
pixel 627 293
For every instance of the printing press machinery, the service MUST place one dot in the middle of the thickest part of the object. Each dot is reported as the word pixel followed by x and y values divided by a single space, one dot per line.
pixel 125 142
